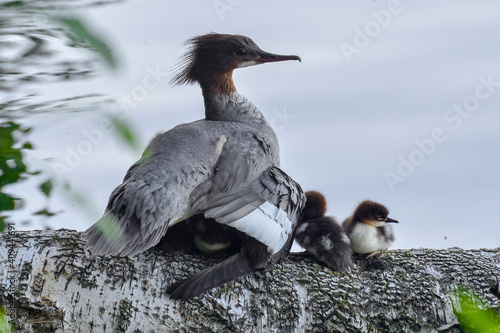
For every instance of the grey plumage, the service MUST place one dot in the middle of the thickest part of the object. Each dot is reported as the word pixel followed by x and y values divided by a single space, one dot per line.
pixel 225 166
pixel 241 194
pixel 157 189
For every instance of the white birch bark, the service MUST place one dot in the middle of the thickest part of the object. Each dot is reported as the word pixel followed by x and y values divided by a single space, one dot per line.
pixel 50 284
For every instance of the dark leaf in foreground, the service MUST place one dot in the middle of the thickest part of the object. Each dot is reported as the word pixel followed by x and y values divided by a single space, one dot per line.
pixel 79 33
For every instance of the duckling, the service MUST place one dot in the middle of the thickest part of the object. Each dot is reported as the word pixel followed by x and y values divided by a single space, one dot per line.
pixel 322 236
pixel 368 229
pixel 200 234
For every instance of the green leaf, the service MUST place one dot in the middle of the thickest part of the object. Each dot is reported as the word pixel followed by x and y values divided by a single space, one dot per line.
pixel 473 314
pixel 46 187
pixel 11 159
pixel 125 132
pixel 79 33
pixel 7 202
pixel 146 155
pixel 13 168
pixel 110 229
pixel 45 212
pixel 6 130
pixel 5 326
pixel 13 4
pixel 28 145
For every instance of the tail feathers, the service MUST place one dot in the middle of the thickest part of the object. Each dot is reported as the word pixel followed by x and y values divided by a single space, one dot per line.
pixel 108 237
pixel 105 237
pixel 226 271
pixel 136 217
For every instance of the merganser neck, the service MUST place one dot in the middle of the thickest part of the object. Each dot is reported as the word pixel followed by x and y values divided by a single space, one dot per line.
pixel 217 83
pixel 231 107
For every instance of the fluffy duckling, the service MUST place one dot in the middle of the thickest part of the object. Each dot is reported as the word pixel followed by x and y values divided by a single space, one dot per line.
pixel 369 230
pixel 322 236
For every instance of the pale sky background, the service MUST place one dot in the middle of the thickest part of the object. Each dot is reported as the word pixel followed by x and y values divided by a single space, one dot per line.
pixel 378 93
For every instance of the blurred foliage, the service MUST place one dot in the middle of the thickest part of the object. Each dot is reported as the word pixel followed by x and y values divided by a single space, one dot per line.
pixel 110 229
pixel 77 31
pixel 14 170
pixel 46 187
pixel 12 167
pixel 473 314
pixel 4 320
pixel 13 4
pixel 81 35
pixel 13 136
pixel 125 133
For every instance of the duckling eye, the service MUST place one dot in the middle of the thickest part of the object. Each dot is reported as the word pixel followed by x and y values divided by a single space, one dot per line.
pixel 241 52
pixel 380 217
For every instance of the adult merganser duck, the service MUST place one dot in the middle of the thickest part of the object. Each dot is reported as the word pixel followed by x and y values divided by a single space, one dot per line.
pixel 322 236
pixel 225 166
pixel 368 229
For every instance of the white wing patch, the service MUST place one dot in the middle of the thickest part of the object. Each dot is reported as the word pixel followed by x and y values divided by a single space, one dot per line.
pixel 268 224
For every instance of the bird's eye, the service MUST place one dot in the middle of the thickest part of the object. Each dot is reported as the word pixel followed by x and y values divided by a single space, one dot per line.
pixel 241 52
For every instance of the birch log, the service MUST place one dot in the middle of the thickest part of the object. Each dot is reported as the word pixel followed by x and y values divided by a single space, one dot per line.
pixel 48 283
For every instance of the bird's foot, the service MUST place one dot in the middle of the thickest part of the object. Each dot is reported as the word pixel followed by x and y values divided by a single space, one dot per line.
pixel 377 254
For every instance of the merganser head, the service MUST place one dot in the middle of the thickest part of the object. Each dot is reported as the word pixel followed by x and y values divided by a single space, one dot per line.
pixel 315 205
pixel 372 213
pixel 211 59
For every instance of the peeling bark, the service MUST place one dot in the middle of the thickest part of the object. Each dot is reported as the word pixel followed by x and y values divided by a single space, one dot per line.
pixel 50 284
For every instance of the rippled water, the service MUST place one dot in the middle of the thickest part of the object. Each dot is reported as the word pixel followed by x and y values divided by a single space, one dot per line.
pixel 35 50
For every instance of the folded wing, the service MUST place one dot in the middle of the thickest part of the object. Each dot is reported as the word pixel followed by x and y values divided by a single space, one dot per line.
pixel 263 205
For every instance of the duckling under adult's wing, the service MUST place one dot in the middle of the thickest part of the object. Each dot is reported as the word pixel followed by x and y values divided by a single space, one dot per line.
pixel 264 208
